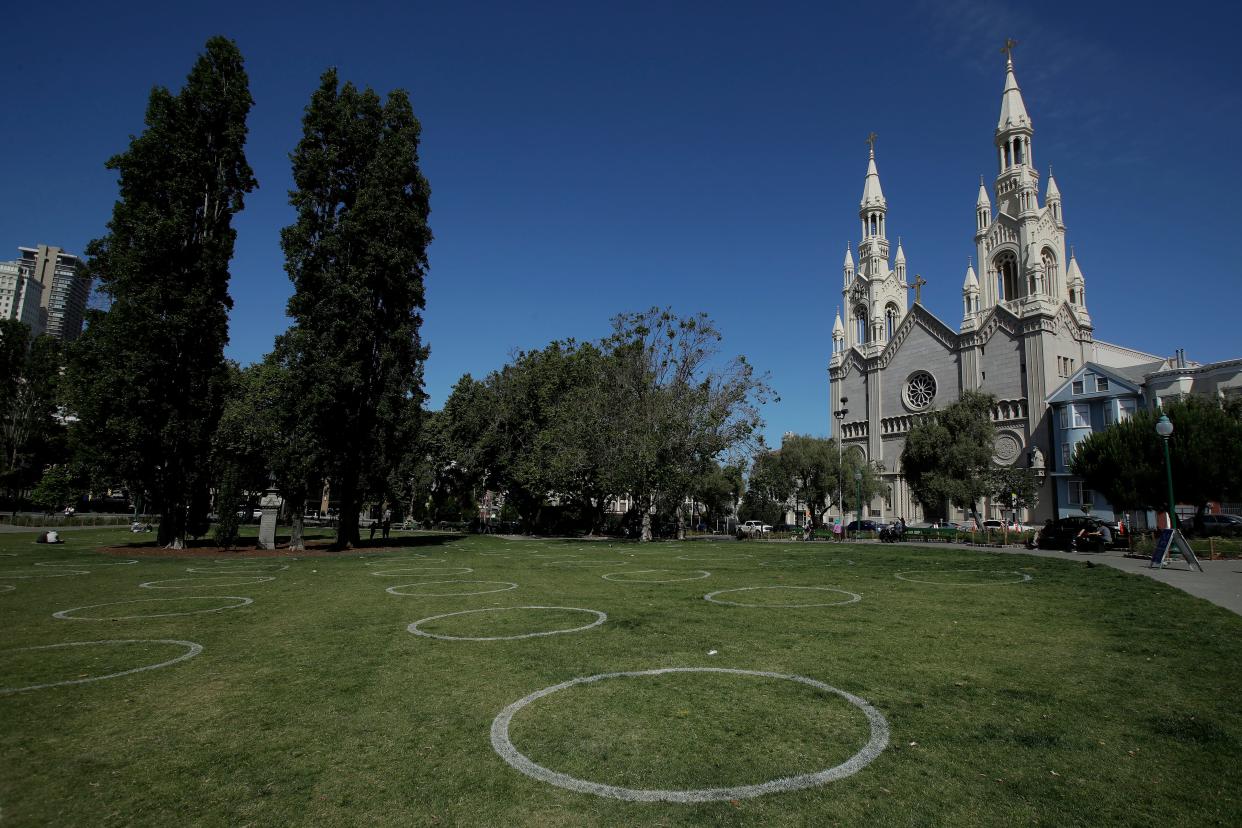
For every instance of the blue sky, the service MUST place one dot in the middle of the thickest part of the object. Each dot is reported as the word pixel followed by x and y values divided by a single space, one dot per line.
pixel 591 158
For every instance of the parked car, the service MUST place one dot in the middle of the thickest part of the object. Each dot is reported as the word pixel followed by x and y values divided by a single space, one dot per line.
pixel 867 526
pixel 752 527
pixel 1228 525
pixel 1070 533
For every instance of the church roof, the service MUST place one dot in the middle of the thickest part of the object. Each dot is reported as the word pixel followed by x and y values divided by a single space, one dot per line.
pixel 849 259
pixel 838 329
pixel 900 258
pixel 873 194
pixel 983 200
pixel 1013 110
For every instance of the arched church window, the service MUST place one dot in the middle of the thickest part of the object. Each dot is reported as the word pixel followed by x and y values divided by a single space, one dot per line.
pixel 890 321
pixel 1050 271
pixel 1007 285
pixel 860 325
pixel 1017 151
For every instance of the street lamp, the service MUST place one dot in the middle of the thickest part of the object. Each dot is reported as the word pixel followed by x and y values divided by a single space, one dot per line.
pixel 858 480
pixel 1165 429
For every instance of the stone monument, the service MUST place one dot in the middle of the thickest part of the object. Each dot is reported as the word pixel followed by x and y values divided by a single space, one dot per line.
pixel 270 505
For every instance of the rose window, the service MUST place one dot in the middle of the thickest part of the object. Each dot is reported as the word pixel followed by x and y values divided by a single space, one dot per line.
pixel 920 390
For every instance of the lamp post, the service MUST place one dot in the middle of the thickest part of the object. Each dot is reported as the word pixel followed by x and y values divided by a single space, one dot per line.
pixel 858 480
pixel 840 415
pixel 1165 429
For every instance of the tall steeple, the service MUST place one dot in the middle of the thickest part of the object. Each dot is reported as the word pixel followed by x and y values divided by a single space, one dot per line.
pixel 873 211
pixel 1013 109
pixel 1017 183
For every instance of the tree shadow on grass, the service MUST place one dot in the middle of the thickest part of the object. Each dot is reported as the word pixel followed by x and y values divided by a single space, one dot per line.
pixel 318 544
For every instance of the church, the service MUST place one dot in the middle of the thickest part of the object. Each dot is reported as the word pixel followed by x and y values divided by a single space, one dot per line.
pixel 1025 330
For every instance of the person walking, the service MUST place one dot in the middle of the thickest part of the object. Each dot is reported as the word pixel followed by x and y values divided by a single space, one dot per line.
pixel 387 525
pixel 836 530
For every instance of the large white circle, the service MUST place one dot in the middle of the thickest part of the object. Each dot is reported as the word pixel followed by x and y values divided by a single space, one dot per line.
pixel 571 564
pixel 1022 577
pixel 192 649
pixel 600 617
pixel 241 570
pixel 854 596
pixel 7 587
pixel 394 590
pixel 54 573
pixel 84 563
pixel 609 577
pixel 714 557
pixel 65 616
pixel 516 759
pixel 262 560
pixel 191 583
pixel 428 571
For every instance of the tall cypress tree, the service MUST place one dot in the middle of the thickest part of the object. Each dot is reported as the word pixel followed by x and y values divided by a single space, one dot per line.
pixel 357 256
pixel 147 375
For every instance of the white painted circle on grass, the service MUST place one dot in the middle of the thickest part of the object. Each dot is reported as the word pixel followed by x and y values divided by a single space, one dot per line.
pixel 192 649
pixel 516 759
pixel 65 615
pixel 241 570
pixel 427 571
pixel 7 587
pixel 1021 577
pixel 853 596
pixel 84 563
pixel 46 573
pixel 714 557
pixel 395 590
pixel 600 617
pixel 571 564
pixel 268 559
pixel 609 577
pixel 191 583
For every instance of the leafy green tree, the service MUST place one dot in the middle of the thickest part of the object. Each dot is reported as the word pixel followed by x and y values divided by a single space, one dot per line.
pixel 147 375
pixel 1014 487
pixel 948 454
pixel 58 487
pixel 718 490
pixel 246 442
pixel 357 255
pixel 1125 462
pixel 31 436
pixel 673 408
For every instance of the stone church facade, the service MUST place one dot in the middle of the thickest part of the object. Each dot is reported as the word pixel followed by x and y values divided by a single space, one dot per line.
pixel 1025 328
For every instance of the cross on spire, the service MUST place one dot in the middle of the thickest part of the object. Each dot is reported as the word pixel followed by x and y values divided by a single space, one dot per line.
pixel 1008 48
pixel 917 284
pixel 871 140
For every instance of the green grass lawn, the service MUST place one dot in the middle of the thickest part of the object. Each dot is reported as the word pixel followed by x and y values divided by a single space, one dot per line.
pixel 1082 696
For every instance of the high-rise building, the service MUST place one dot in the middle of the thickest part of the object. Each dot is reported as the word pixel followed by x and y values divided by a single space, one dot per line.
pixel 20 296
pixel 49 291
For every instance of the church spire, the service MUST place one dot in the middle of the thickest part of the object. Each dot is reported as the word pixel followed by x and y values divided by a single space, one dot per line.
pixel 873 194
pixel 1013 110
